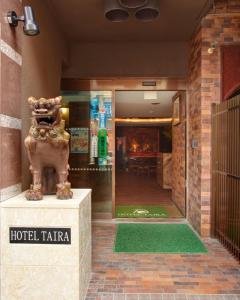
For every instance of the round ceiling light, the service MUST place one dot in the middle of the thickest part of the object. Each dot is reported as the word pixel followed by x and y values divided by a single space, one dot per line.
pixel 133 3
pixel 149 12
pixel 114 12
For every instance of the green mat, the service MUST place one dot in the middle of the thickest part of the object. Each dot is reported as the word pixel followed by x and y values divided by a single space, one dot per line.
pixel 140 211
pixel 157 238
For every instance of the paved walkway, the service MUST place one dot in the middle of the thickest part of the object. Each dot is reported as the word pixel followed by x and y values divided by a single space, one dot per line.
pixel 121 276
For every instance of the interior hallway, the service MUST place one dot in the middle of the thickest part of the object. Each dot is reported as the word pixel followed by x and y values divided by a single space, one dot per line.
pixel 144 276
pixel 133 189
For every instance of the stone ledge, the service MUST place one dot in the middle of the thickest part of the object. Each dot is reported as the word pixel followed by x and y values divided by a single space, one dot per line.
pixel 20 201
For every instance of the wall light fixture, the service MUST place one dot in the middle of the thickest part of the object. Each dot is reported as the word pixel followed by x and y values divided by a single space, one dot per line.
pixel 30 26
pixel 212 48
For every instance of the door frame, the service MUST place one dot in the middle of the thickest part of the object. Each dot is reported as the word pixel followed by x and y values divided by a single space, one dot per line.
pixel 115 84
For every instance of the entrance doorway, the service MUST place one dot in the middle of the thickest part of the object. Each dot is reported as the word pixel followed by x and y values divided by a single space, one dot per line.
pixel 92 172
pixel 146 150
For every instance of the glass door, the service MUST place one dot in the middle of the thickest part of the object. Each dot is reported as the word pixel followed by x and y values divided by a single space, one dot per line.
pixel 88 117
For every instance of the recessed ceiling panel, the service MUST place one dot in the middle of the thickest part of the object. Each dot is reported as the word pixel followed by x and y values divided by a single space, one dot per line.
pixel 131 104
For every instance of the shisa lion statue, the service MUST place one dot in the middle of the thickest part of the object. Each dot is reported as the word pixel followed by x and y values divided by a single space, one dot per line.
pixel 48 150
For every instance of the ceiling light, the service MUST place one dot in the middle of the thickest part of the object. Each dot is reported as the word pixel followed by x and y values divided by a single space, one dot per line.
pixel 150 95
pixel 133 3
pixel 114 12
pixel 143 120
pixel 148 12
pixel 30 26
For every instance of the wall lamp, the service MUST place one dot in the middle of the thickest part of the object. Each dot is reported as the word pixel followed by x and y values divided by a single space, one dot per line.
pixel 212 48
pixel 30 26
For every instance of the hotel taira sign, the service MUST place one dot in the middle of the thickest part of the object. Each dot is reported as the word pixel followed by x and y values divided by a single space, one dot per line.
pixel 39 235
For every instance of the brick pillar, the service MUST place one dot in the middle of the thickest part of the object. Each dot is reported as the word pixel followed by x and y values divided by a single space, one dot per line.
pixel 222 27
pixel 10 102
pixel 179 156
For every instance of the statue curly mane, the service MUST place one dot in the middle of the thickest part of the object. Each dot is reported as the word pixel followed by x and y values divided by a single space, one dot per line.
pixel 47 146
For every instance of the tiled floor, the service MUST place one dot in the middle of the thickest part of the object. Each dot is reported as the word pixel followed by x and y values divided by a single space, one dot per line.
pixel 160 276
pixel 132 189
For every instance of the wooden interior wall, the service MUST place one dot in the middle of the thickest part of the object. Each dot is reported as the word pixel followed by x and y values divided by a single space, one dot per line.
pixel 141 135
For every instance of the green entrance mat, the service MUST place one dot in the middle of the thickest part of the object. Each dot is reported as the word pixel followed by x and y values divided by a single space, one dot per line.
pixel 140 211
pixel 157 238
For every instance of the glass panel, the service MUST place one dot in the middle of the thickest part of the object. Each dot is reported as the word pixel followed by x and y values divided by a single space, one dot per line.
pixel 88 117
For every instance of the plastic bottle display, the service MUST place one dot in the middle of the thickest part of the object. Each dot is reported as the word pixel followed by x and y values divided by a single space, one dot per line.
pixel 100 130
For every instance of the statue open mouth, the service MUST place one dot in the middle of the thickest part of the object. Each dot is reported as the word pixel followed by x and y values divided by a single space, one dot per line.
pixel 45 120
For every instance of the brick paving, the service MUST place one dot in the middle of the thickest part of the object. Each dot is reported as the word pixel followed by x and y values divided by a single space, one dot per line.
pixel 215 275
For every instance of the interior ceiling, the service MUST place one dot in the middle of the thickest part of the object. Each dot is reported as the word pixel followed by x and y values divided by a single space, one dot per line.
pixel 84 21
pixel 131 104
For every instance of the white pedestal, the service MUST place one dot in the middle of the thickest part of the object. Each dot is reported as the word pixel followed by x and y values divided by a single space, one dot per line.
pixel 46 271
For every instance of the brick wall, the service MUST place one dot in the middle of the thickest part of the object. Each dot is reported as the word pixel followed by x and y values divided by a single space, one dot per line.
pixel 178 156
pixel 220 27
pixel 10 112
pixel 223 6
pixel 194 132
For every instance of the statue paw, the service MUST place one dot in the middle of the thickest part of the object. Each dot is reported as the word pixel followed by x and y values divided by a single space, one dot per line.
pixel 64 191
pixel 34 194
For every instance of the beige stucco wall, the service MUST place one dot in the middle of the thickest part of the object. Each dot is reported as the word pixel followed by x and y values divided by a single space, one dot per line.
pixel 10 103
pixel 108 59
pixel 43 58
